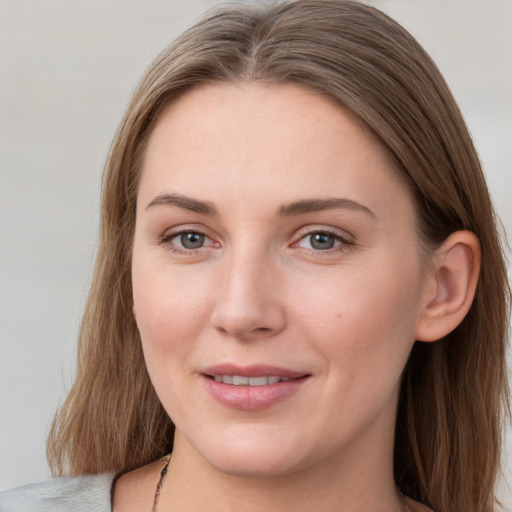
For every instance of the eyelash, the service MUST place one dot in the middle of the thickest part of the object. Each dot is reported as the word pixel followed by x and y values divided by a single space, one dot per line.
pixel 344 243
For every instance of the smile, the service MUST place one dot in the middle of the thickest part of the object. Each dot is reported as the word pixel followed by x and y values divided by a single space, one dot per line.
pixel 252 388
pixel 240 380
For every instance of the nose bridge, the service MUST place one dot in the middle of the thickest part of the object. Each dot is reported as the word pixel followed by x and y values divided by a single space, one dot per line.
pixel 248 302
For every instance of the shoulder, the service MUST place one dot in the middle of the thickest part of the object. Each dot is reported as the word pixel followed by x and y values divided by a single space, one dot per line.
pixel 91 493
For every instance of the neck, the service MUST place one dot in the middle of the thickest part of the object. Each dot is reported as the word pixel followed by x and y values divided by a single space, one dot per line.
pixel 352 482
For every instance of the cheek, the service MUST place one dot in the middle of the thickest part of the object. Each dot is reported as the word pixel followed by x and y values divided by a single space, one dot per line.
pixel 363 318
pixel 171 306
pixel 171 311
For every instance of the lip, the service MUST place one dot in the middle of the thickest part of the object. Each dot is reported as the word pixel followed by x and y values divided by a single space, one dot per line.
pixel 252 398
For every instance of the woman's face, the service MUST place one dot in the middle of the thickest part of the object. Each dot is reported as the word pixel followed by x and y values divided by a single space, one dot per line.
pixel 277 279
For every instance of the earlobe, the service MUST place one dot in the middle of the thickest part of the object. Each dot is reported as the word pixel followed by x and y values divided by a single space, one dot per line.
pixel 451 287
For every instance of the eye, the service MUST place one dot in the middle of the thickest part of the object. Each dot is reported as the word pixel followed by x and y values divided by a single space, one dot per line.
pixel 188 240
pixel 321 241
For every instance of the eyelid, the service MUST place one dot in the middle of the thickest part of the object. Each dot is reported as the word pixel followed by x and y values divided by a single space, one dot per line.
pixel 322 228
pixel 186 228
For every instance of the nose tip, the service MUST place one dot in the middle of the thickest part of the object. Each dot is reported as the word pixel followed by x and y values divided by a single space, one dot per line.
pixel 246 324
pixel 243 327
pixel 249 305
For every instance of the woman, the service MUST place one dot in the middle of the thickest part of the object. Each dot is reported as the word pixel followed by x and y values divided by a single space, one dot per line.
pixel 297 261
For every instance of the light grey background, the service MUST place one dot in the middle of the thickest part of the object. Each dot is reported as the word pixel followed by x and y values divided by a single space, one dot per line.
pixel 67 69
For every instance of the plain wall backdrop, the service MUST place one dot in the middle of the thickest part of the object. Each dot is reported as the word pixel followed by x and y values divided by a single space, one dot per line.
pixel 67 70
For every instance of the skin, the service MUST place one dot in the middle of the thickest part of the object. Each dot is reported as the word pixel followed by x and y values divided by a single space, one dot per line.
pixel 260 292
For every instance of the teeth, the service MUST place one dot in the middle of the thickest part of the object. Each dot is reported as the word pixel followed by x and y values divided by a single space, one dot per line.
pixel 258 381
pixel 239 380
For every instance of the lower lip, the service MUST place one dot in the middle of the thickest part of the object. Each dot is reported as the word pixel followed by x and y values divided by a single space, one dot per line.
pixel 252 398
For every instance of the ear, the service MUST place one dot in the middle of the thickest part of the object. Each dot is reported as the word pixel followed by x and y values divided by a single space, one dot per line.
pixel 450 286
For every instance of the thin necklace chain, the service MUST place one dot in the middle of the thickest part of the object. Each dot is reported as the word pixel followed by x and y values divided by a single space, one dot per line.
pixel 163 473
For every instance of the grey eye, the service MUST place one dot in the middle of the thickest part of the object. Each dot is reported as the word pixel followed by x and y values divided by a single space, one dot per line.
pixel 322 241
pixel 191 240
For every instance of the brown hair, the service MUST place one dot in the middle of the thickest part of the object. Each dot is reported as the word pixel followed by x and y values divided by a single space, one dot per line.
pixel 448 434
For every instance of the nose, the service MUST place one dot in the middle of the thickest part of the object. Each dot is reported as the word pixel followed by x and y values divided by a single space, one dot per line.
pixel 249 302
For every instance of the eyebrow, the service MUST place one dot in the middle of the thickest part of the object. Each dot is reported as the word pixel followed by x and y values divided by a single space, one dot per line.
pixel 288 210
pixel 187 203
pixel 316 205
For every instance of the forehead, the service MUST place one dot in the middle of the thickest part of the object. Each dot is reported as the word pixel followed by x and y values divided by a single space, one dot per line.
pixel 225 112
pixel 255 141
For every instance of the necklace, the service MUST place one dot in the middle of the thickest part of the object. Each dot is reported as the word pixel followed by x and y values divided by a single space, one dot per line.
pixel 163 473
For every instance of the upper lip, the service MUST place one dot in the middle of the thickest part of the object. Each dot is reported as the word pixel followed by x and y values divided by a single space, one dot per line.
pixel 252 371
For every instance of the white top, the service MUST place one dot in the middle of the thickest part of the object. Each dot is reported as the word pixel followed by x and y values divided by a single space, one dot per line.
pixel 90 493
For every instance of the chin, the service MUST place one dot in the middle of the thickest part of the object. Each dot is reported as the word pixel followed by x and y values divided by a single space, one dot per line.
pixel 254 456
pixel 255 465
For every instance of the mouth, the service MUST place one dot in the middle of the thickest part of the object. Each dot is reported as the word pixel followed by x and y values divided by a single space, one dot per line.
pixel 252 388
pixel 241 380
